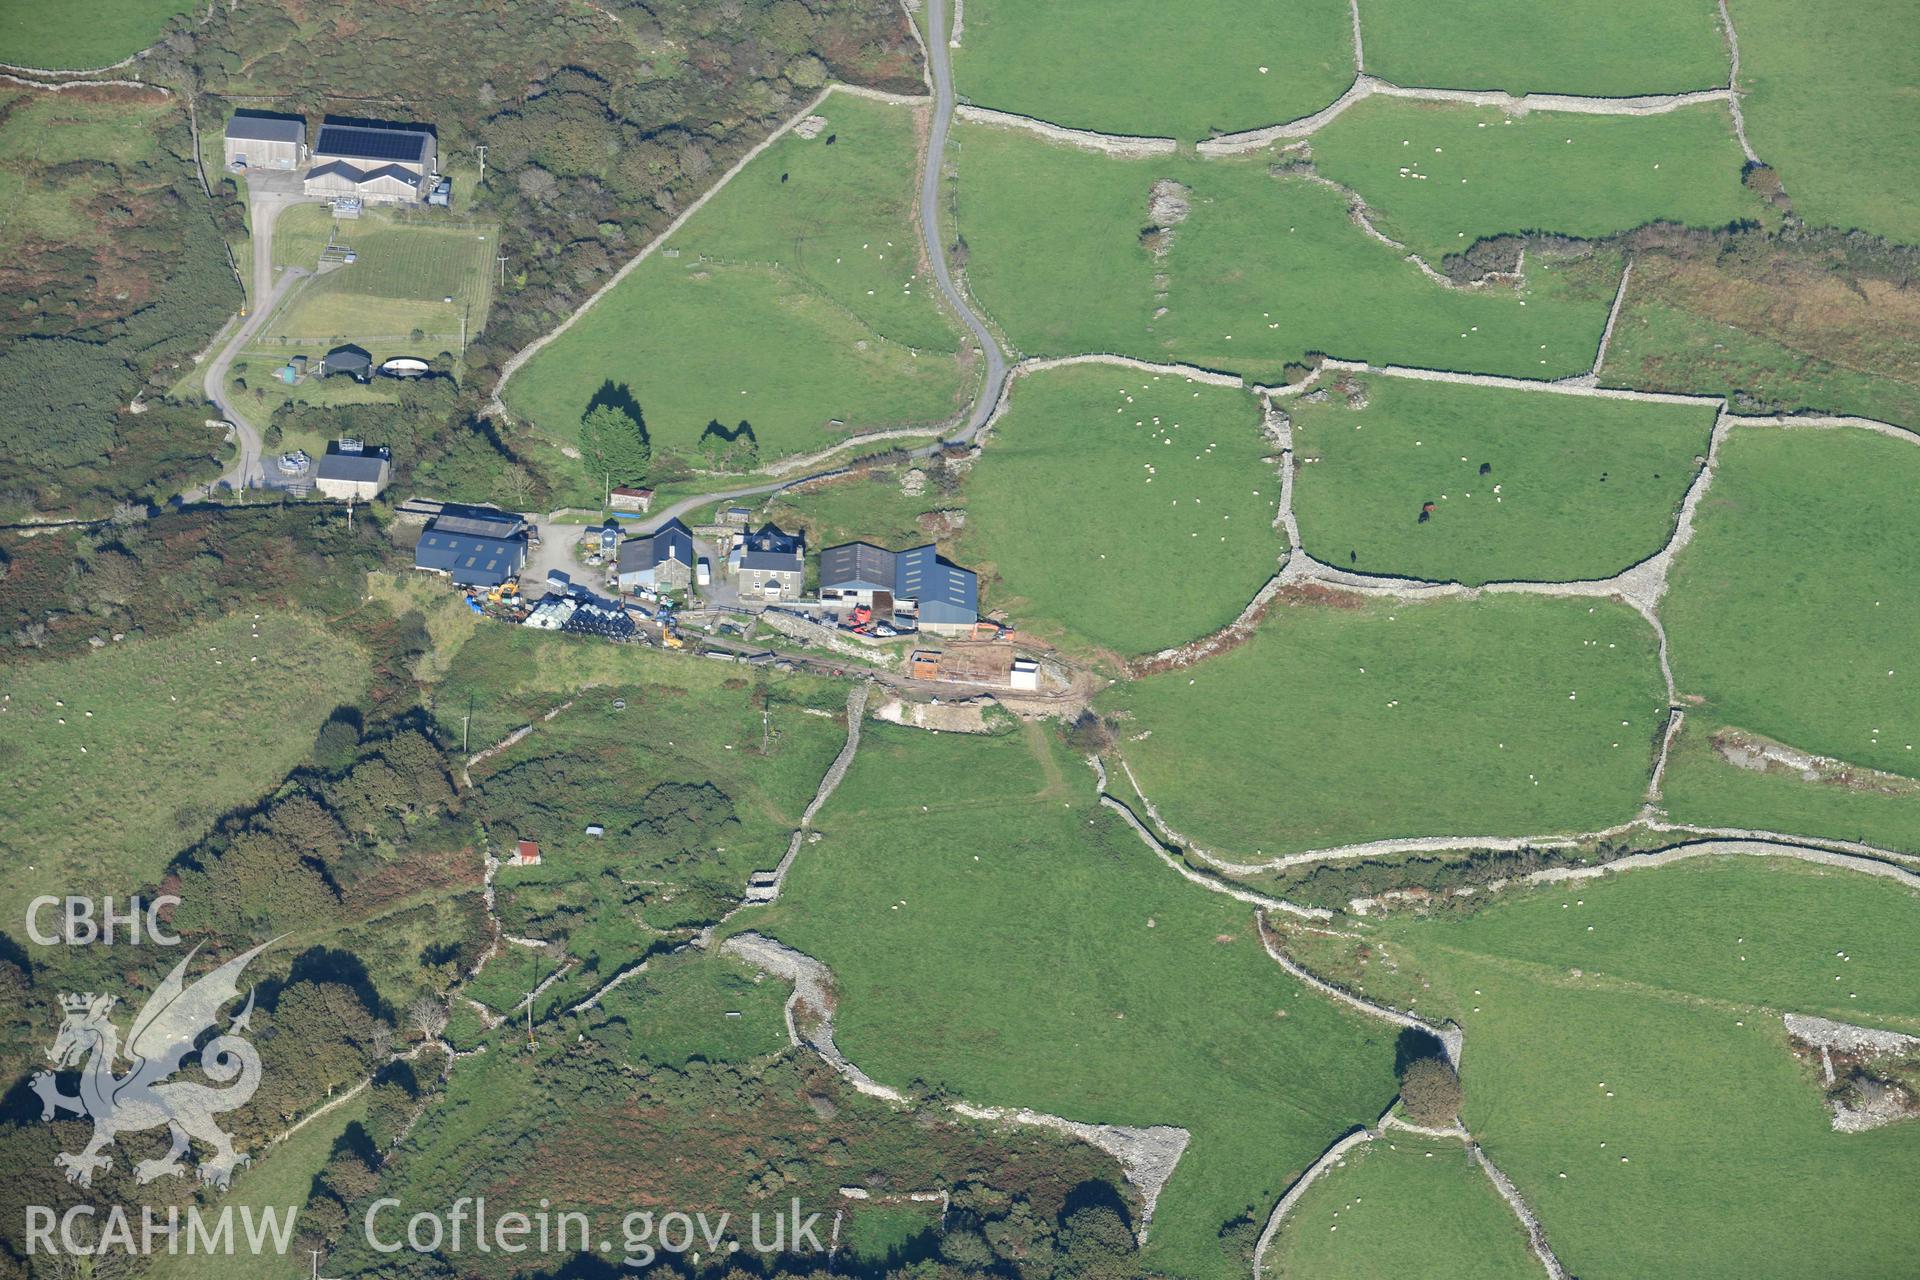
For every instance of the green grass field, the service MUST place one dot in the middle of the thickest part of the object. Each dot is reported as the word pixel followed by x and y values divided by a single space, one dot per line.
pixel 1403 1206
pixel 1801 342
pixel 1830 105
pixel 1345 720
pixel 1702 786
pixel 81 36
pixel 1239 64
pixel 1793 611
pixel 868 507
pixel 51 149
pixel 1262 271
pixel 1125 510
pixel 406 269
pixel 1607 50
pixel 795 301
pixel 1586 487
pixel 1115 992
pixel 280 1181
pixel 1626 1033
pixel 1438 178
pixel 160 739
pixel 678 1010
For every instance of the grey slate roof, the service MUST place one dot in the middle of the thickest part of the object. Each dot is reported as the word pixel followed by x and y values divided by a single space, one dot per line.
pixel 360 177
pixel 472 561
pixel 856 566
pixel 244 128
pixel 772 549
pixel 672 541
pixel 940 589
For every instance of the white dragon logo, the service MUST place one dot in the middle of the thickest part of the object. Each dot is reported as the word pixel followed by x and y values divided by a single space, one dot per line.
pixel 162 1036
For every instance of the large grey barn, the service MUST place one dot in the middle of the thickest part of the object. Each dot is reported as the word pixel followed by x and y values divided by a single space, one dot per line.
pixel 381 164
pixel 265 142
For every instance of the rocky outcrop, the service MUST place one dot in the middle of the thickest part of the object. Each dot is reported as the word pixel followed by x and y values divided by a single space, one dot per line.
pixel 1146 1155
pixel 1845 1037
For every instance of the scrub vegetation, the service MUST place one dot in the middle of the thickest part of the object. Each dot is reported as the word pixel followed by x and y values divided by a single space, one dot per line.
pixel 1825 323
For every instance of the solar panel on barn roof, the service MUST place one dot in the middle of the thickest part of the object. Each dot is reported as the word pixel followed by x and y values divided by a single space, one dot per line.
pixel 356 143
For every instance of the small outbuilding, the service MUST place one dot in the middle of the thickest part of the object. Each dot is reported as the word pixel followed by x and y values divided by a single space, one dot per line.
pixel 629 499
pixel 351 472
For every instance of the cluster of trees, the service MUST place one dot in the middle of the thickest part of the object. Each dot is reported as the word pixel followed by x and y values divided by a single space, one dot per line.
pixel 1333 885
pixel 352 1170
pixel 300 859
pixel 157 572
pixel 614 446
pixel 590 1128
pixel 735 450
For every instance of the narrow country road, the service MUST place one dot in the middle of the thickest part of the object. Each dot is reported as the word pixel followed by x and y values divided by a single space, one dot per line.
pixel 266 295
pixel 941 68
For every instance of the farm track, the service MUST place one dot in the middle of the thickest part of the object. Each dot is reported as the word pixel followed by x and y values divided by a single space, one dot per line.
pixel 997 369
pixel 1367 86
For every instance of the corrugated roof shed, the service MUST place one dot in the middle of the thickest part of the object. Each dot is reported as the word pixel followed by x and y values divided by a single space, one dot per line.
pixel 471 561
pixel 359 467
pixel 856 566
pixel 483 522
pixel 942 592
